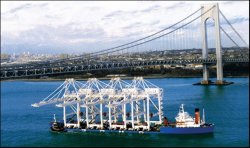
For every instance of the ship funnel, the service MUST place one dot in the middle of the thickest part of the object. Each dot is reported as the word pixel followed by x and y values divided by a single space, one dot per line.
pixel 197 116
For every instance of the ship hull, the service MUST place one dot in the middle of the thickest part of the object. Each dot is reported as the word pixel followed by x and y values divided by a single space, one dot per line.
pixel 186 130
pixel 111 131
pixel 163 130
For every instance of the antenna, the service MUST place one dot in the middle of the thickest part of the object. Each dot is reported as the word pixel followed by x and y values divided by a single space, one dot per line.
pixel 55 117
pixel 203 116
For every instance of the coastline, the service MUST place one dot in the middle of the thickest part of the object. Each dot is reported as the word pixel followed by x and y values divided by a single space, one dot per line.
pixel 155 76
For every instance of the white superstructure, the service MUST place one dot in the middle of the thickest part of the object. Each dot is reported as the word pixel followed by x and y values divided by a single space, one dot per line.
pixel 183 119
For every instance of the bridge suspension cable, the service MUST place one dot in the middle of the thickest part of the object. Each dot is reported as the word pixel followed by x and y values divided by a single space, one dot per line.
pixel 233 28
pixel 97 52
pixel 151 34
pixel 110 50
pixel 229 36
pixel 160 35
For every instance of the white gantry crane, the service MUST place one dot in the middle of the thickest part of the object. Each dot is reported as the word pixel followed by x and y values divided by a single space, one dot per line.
pixel 116 105
pixel 146 102
pixel 116 102
pixel 93 102
pixel 64 94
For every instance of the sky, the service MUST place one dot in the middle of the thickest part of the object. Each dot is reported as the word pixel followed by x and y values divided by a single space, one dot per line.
pixel 87 26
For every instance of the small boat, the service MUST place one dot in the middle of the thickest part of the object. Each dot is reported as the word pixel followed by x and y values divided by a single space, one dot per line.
pixel 57 126
pixel 185 124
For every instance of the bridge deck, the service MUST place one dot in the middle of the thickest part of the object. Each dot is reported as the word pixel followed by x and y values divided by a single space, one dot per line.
pixel 51 69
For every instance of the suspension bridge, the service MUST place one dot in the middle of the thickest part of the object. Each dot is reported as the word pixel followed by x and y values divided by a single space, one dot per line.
pixel 192 32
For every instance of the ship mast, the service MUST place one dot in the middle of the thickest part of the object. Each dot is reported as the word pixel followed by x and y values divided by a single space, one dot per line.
pixel 203 116
pixel 54 117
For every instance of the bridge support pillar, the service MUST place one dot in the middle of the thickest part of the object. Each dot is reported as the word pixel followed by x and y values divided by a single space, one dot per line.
pixel 214 14
pixel 205 74
pixel 219 65
pixel 16 73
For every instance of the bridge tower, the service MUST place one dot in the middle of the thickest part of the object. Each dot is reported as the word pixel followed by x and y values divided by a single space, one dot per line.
pixel 214 14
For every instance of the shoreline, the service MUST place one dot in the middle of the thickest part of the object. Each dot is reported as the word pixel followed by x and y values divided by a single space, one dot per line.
pixel 123 77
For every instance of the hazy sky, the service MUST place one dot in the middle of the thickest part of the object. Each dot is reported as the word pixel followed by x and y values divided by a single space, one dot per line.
pixel 85 26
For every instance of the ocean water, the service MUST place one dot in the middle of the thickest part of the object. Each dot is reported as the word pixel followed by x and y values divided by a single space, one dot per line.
pixel 225 106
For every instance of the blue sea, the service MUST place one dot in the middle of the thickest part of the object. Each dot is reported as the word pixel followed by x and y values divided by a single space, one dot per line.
pixel 225 106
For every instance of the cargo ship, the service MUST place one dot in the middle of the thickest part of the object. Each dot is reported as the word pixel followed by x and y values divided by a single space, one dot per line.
pixel 119 107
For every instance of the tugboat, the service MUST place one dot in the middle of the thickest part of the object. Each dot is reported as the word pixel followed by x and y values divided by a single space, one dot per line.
pixel 185 124
pixel 57 126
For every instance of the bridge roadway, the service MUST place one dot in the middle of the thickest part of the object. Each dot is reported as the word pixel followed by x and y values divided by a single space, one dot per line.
pixel 11 72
